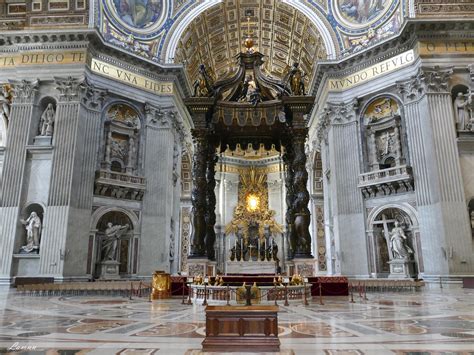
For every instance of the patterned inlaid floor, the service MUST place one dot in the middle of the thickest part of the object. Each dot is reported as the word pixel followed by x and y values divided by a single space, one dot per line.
pixel 433 321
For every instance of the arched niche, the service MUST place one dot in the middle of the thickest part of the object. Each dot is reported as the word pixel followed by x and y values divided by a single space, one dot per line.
pixel 127 247
pixel 383 134
pixel 120 150
pixel 25 213
pixel 43 135
pixel 3 131
pixel 5 109
pixel 462 109
pixel 471 214
pixel 380 225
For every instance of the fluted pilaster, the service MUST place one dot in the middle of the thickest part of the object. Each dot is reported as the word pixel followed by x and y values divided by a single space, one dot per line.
pixel 444 224
pixel 65 138
pixel 341 134
pixel 13 169
pixel 158 200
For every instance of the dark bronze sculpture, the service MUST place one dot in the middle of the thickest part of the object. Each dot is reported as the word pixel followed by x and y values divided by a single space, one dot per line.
pixel 238 110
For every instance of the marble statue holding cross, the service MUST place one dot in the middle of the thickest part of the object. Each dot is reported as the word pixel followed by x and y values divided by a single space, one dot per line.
pixel 398 243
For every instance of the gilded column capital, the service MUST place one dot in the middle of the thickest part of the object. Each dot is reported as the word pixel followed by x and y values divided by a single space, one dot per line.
pixel 92 97
pixel 24 91
pixel 69 88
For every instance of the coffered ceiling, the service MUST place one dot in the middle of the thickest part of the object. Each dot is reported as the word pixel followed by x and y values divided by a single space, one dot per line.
pixel 279 31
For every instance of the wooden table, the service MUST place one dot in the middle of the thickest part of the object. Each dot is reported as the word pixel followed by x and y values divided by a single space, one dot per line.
pixel 242 329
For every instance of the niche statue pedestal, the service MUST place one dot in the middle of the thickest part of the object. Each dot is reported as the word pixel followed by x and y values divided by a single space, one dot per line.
pixel 401 269
pixel 109 270
pixel 43 140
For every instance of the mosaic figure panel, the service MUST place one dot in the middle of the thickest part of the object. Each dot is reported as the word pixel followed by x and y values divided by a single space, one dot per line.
pixel 361 11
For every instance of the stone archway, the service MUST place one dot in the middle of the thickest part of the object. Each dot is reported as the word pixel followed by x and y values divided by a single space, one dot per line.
pixel 382 222
pixel 126 254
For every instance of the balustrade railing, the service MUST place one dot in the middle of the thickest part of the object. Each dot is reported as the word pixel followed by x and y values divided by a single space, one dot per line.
pixel 385 175
pixel 120 177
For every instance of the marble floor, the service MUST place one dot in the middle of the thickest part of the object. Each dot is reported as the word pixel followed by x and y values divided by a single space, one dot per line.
pixel 431 321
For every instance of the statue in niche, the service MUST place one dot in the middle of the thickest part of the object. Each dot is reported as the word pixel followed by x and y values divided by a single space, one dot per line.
pixel 4 104
pixel 110 242
pixel 461 111
pixel 472 220
pixel 398 243
pixel 47 121
pixel 389 141
pixel 33 234
pixel 296 80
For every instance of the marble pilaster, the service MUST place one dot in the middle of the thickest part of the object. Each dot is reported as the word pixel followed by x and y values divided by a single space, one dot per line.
pixel 88 140
pixel 158 200
pixel 24 93
pixel 339 130
pixel 58 214
pixel 446 240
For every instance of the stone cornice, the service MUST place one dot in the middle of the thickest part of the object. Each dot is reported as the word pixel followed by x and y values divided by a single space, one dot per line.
pixel 15 41
pixel 414 30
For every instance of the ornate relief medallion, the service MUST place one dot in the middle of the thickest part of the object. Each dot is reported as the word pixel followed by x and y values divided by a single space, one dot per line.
pixel 362 13
pixel 137 16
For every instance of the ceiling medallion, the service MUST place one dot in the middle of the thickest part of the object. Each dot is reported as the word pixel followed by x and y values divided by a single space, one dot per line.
pixel 359 14
pixel 137 16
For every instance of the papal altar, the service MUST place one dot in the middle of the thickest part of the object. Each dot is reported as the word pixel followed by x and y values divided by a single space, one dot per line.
pixel 251 268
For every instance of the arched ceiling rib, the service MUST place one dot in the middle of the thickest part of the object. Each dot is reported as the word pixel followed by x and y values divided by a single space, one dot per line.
pixel 280 31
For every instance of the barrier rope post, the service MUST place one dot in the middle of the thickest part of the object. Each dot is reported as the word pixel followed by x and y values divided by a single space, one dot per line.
pixel 184 299
pixel 205 294
pixel 190 293
pixel 131 291
pixel 351 289
pixel 320 294
pixel 276 295
pixel 227 296
pixel 305 300
pixel 151 290
pixel 286 295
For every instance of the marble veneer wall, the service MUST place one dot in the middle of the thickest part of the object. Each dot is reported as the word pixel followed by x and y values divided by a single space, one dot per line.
pixel 60 177
pixel 439 198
